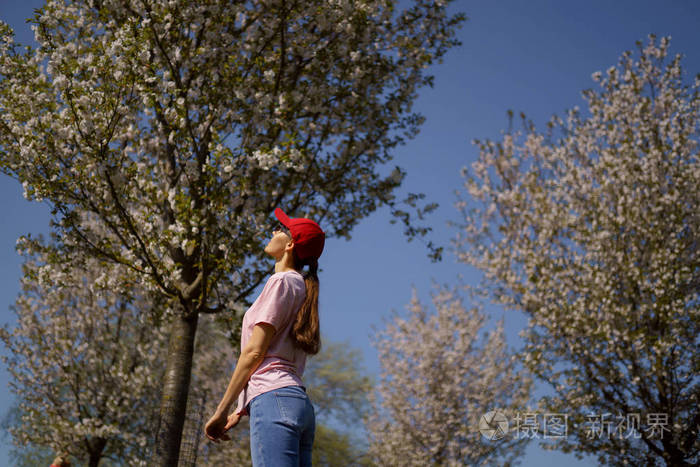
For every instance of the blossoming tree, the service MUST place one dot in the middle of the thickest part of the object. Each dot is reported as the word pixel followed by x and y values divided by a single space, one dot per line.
pixel 164 133
pixel 592 228
pixel 86 363
pixel 438 378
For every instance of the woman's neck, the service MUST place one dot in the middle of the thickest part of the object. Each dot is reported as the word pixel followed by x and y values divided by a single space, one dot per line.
pixel 285 263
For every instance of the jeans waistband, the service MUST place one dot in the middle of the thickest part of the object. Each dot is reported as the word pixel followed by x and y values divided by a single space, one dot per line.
pixel 303 388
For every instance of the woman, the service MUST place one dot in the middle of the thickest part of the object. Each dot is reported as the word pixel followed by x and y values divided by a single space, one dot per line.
pixel 279 330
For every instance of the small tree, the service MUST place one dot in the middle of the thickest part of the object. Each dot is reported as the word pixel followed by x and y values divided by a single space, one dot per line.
pixel 438 378
pixel 599 223
pixel 85 365
pixel 163 135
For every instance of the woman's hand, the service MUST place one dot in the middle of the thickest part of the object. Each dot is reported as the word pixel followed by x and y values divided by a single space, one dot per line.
pixel 219 424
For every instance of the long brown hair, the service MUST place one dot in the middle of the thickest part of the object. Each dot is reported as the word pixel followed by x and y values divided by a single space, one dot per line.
pixel 306 332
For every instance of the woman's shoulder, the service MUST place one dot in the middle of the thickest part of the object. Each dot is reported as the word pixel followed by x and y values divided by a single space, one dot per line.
pixel 287 283
pixel 293 278
pixel 293 274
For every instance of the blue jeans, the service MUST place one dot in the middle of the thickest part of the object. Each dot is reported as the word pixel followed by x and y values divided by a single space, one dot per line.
pixel 282 426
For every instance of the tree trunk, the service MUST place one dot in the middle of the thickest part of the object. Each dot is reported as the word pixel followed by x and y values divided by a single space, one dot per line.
pixel 175 388
pixel 96 446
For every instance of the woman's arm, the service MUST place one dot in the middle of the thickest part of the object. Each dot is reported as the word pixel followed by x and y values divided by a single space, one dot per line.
pixel 249 360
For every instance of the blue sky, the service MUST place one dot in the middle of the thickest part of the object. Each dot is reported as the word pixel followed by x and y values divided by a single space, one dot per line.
pixel 533 56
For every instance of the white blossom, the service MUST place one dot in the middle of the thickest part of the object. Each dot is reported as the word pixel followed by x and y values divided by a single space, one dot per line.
pixel 85 364
pixel 593 234
pixel 438 378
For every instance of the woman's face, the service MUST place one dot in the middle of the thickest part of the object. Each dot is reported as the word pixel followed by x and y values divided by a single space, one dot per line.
pixel 278 243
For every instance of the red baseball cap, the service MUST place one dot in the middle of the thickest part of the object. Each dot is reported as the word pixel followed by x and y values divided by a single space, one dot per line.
pixel 307 235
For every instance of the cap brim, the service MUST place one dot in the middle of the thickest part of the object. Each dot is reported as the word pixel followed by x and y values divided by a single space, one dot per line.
pixel 282 217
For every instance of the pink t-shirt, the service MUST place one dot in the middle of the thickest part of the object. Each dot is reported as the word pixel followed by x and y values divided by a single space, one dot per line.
pixel 283 365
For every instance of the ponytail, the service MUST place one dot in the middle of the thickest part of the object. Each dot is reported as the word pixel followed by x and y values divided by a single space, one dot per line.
pixel 306 332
